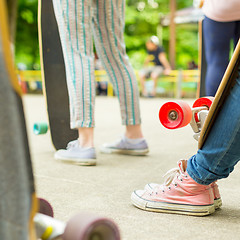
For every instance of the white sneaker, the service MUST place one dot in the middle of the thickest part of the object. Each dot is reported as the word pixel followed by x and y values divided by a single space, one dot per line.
pixel 76 154
pixel 126 146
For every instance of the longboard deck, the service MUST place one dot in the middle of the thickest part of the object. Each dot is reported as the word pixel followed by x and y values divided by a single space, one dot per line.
pixel 228 81
pixel 18 202
pixel 54 77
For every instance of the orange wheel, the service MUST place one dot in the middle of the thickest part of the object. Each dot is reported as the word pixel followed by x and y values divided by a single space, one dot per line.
pixel 202 102
pixel 174 115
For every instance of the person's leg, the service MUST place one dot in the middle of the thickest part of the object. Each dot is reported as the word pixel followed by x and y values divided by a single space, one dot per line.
pixel 142 77
pixel 108 31
pixel 74 20
pixel 157 71
pixel 154 90
pixel 108 36
pixel 191 188
pixel 217 36
pixel 221 151
pixel 142 84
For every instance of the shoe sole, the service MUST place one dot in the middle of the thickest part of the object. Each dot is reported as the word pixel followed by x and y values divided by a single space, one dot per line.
pixel 124 151
pixel 81 162
pixel 217 201
pixel 165 207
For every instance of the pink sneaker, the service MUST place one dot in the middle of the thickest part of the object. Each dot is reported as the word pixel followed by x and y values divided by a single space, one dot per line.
pixel 179 194
pixel 217 196
pixel 216 193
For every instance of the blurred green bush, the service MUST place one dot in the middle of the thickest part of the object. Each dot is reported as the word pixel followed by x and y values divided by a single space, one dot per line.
pixel 142 20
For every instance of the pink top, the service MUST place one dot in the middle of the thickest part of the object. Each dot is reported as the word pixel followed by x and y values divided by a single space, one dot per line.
pixel 222 10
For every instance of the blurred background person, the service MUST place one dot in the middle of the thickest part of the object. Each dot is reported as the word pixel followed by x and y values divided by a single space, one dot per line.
pixel 155 64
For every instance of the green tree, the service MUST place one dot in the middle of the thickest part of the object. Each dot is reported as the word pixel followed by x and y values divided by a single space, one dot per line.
pixel 141 21
pixel 27 50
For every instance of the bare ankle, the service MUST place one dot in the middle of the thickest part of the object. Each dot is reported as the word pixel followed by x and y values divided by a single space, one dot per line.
pixel 86 137
pixel 133 131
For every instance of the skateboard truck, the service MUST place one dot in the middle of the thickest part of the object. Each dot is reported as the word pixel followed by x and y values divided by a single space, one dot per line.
pixel 197 125
pixel 48 228
pixel 178 114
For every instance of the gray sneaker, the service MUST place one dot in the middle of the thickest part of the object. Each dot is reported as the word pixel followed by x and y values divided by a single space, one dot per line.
pixel 76 154
pixel 123 146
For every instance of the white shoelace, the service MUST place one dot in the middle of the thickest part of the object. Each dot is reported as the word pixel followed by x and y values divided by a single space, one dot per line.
pixel 170 175
pixel 174 173
pixel 169 178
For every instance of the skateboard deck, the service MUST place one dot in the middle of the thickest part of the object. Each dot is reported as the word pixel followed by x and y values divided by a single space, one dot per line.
pixel 228 81
pixel 20 217
pixel 202 62
pixel 54 77
pixel 18 202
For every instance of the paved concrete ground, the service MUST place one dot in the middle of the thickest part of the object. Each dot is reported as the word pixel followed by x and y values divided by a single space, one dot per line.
pixel 106 188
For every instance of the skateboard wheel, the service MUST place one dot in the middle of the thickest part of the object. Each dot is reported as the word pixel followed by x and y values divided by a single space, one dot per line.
pixel 40 128
pixel 45 207
pixel 91 227
pixel 174 115
pixel 202 102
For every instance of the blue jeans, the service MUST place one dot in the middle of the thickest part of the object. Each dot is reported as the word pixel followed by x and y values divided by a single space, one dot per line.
pixel 221 151
pixel 217 37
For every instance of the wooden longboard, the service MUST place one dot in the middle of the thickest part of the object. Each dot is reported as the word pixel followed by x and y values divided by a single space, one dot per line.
pixel 202 62
pixel 228 81
pixel 18 203
pixel 54 77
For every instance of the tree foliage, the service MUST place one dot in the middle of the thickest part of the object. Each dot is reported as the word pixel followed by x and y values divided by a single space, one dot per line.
pixel 142 19
pixel 27 50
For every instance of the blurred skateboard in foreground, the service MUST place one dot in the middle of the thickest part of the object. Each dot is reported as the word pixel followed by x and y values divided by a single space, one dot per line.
pixel 22 215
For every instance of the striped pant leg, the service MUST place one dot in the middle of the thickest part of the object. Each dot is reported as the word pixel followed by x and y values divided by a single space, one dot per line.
pixel 74 20
pixel 108 28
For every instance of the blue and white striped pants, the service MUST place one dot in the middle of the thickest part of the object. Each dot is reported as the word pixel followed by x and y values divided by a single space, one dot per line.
pixel 80 22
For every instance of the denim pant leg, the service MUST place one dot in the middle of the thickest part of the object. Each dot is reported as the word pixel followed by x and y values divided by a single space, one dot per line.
pixel 221 151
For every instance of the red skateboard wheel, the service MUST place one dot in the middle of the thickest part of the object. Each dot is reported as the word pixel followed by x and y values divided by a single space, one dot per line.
pixel 202 102
pixel 87 226
pixel 174 115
